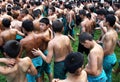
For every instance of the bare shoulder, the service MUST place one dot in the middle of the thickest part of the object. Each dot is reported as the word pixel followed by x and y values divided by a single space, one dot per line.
pixel 25 61
pixel 13 30
pixel 22 42
pixel 57 80
pixel 84 76
pixel 84 73
pixel 27 58
pixel 83 23
pixel 65 36
pixel 52 42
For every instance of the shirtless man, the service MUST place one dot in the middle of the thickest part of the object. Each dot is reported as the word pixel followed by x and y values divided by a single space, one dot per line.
pixel 37 16
pixel 33 40
pixel 87 25
pixel 16 24
pixel 70 17
pixel 16 72
pixel 46 68
pixel 59 47
pixel 75 69
pixel 109 43
pixel 24 15
pixel 101 16
pixel 94 68
pixel 51 14
pixel 8 34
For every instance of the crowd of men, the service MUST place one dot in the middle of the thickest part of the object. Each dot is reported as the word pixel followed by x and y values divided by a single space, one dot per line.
pixel 34 33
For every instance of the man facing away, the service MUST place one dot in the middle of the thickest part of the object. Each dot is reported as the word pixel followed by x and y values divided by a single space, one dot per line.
pixel 59 47
pixel 16 68
pixel 74 66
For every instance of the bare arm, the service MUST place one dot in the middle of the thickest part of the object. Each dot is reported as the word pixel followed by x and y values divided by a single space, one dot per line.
pixel 32 70
pixel 107 44
pixel 117 25
pixel 103 28
pixel 91 67
pixel 47 58
pixel 7 70
pixel 20 33
pixel 1 41
pixel 83 27
pixel 8 61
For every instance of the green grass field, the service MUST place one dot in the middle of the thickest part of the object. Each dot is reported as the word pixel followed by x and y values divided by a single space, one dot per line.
pixel 115 78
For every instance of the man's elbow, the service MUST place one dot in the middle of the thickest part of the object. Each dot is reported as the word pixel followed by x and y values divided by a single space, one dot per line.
pixel 48 61
pixel 94 73
pixel 34 72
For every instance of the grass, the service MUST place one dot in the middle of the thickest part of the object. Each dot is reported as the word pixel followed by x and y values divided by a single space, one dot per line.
pixel 115 78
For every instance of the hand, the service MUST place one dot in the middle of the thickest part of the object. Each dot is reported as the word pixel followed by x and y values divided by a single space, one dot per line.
pixel 10 62
pixel 36 52
pixel 55 80
pixel 70 26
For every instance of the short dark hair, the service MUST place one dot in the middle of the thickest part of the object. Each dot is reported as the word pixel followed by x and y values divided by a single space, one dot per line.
pixel 36 13
pixel 111 19
pixel 117 5
pixel 73 61
pixel 45 20
pixel 101 11
pixel 92 8
pixel 85 36
pixel 6 22
pixel 52 8
pixel 28 25
pixel 82 12
pixel 57 26
pixel 24 11
pixel 12 48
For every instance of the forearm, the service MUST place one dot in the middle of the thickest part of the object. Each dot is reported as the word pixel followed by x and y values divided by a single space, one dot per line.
pixel 3 60
pixel 45 58
pixel 1 70
pixel 104 29
pixel 117 25
pixel 90 71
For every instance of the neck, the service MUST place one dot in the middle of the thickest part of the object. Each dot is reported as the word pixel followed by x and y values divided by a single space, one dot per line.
pixel 109 27
pixel 58 33
pixel 70 76
pixel 93 44
pixel 84 18
pixel 30 32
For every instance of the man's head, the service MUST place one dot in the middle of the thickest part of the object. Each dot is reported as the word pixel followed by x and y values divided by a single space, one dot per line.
pixel 82 13
pixel 44 24
pixel 74 61
pixel 101 13
pixel 12 48
pixel 6 22
pixel 57 26
pixel 51 10
pixel 85 39
pixel 36 13
pixel 28 25
pixel 110 20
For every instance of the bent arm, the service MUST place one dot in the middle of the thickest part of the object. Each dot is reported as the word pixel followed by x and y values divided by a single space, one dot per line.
pixel 32 70
pixel 1 41
pixel 4 70
pixel 91 67
pixel 107 45
pixel 20 33
pixel 48 58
